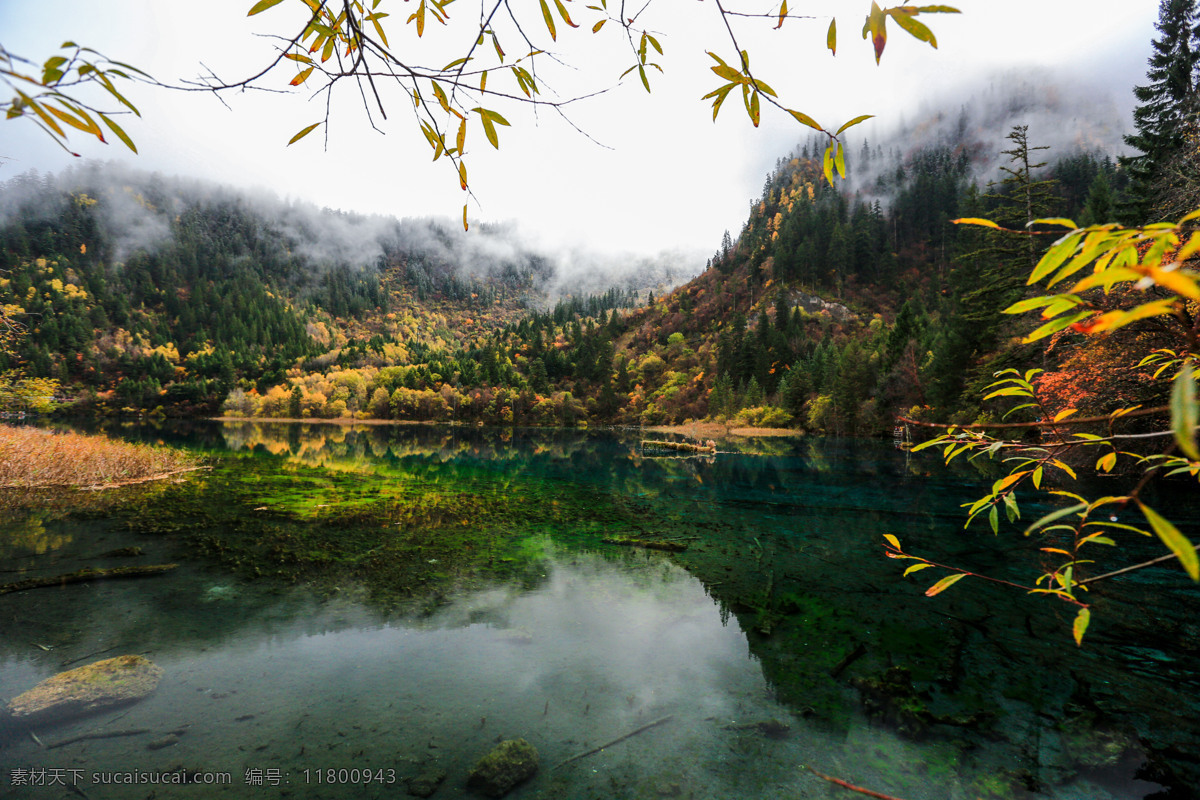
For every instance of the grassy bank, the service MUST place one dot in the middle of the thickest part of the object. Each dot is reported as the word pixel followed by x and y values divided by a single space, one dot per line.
pixel 31 458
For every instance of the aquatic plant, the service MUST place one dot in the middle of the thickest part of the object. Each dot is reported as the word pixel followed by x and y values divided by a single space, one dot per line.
pixel 31 458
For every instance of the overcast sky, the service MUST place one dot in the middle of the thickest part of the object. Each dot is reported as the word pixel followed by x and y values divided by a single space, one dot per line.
pixel 663 176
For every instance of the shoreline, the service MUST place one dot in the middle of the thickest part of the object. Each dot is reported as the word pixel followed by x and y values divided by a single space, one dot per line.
pixel 717 430
pixel 699 430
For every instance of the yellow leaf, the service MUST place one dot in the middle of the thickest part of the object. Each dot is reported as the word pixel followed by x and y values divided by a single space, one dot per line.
pixel 1081 625
pixel 892 540
pixel 944 584
pixel 987 223
pixel 303 133
pixel 261 6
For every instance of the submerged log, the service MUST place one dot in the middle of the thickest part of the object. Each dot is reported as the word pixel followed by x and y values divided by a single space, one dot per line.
pixel 649 544
pixel 689 447
pixel 86 574
pixel 618 740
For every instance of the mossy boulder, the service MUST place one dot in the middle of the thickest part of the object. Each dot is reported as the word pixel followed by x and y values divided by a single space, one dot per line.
pixel 510 763
pixel 104 684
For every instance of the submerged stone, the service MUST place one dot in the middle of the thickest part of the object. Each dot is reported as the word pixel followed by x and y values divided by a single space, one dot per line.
pixel 107 683
pixel 510 763
pixel 427 783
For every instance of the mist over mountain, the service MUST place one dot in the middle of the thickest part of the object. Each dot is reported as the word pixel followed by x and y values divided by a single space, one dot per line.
pixel 135 210
pixel 1067 115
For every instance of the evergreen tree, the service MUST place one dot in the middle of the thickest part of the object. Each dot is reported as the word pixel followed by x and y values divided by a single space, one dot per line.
pixel 1164 103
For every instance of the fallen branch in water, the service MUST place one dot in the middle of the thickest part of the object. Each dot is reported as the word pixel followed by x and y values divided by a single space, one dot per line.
pixel 98 735
pixel 86 574
pixel 132 481
pixel 851 657
pixel 618 740
pixel 851 786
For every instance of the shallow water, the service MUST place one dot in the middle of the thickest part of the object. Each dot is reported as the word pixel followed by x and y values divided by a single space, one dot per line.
pixel 391 602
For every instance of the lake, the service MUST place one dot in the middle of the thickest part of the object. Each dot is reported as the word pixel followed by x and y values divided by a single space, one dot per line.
pixel 362 611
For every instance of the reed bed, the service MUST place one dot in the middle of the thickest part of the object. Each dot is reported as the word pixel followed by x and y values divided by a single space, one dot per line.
pixel 31 458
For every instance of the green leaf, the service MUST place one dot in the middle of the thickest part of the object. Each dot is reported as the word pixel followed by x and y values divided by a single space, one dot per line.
pixel 1173 539
pixel 297 137
pixel 944 584
pixel 120 132
pixel 916 568
pixel 562 11
pixel 1185 414
pixel 1059 252
pixel 1021 306
pixel 839 160
pixel 1056 325
pixel 1055 515
pixel 918 30
pixel 549 20
pixel 262 5
pixel 1081 625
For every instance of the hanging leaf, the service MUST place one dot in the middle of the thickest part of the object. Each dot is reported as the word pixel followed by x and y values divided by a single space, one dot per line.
pixel 892 540
pixel 262 5
pixel 831 37
pixel 944 584
pixel 293 140
pixel 853 122
pixel 115 128
pixel 1184 411
pixel 986 223
pixel 1173 539
pixel 549 21
pixel 805 119
pixel 1081 625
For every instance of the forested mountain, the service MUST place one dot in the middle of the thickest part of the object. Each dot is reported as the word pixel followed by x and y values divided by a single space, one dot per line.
pixel 836 308
pixel 135 291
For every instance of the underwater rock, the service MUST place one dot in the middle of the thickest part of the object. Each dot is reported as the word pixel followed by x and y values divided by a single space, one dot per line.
pixel 167 741
pixel 425 784
pixel 107 683
pixel 1092 742
pixel 511 762
pixel 123 552
pixel 892 700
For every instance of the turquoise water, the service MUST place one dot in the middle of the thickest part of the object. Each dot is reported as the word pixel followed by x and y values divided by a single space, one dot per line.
pixel 389 602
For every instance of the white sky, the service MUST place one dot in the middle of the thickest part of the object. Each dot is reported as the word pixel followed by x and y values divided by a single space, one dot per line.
pixel 672 179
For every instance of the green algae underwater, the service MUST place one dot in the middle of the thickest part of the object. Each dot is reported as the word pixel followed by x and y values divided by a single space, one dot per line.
pixel 370 599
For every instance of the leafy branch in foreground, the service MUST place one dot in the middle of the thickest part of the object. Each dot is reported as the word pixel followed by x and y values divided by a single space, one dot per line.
pixel 348 41
pixel 57 93
pixel 1136 275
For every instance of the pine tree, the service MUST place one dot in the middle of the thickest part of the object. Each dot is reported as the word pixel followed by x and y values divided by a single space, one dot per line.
pixel 1164 103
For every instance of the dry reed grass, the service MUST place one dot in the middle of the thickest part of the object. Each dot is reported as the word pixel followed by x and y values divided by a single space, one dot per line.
pixel 34 458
